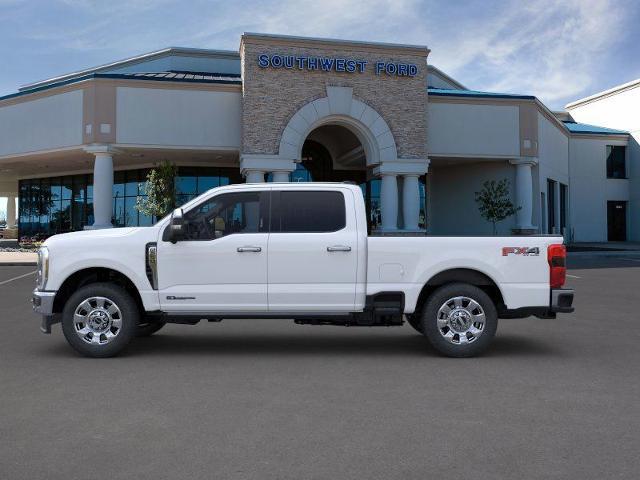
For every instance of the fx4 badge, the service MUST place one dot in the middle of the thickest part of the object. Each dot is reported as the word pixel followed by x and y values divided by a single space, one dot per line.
pixel 173 297
pixel 526 251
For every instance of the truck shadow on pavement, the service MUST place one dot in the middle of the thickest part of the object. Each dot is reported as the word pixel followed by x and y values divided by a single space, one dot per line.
pixel 335 345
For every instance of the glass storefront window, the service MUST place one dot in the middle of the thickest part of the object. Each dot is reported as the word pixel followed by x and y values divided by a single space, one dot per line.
pixel 62 204
pixel 186 185
pixel 207 183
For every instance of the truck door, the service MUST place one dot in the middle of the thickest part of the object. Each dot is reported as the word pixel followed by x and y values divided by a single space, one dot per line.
pixel 313 255
pixel 221 265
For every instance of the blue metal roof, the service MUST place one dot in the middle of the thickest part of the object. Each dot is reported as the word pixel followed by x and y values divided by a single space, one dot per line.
pixel 188 77
pixel 585 128
pixel 445 92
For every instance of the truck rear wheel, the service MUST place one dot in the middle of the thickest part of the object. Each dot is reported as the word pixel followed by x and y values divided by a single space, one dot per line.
pixel 100 319
pixel 459 320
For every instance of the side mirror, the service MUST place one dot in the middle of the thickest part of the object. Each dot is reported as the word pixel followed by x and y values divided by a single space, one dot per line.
pixel 176 226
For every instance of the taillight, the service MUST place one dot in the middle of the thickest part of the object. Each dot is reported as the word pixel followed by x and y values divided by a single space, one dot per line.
pixel 557 256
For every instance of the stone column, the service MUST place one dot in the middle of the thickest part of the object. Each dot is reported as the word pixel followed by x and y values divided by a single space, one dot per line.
pixel 254 176
pixel 524 194
pixel 411 202
pixel 253 166
pixel 410 170
pixel 389 201
pixel 11 212
pixel 102 186
pixel 280 176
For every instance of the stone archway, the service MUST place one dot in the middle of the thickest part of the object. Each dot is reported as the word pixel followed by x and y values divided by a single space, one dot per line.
pixel 340 108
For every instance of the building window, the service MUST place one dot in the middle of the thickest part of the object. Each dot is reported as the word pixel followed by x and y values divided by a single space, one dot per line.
pixel 551 206
pixel 564 189
pixel 616 161
pixel 62 204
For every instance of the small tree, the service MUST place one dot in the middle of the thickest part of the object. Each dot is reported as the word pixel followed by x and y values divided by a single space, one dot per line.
pixel 494 202
pixel 160 191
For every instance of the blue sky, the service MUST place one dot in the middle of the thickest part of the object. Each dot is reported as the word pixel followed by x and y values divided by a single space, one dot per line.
pixel 557 50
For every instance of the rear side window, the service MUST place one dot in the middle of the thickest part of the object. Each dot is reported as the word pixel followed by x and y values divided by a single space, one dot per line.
pixel 310 211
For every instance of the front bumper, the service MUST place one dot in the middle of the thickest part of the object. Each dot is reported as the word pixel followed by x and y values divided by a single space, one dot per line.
pixel 42 303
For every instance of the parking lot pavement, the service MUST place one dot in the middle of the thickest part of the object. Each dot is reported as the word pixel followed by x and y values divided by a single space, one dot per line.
pixel 273 400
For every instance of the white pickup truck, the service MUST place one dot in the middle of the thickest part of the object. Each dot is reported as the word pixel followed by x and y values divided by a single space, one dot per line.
pixel 297 251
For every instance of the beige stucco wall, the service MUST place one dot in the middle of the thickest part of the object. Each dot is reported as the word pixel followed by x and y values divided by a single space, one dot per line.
pixel 467 129
pixel 271 96
pixel 178 117
pixel 54 121
pixel 451 197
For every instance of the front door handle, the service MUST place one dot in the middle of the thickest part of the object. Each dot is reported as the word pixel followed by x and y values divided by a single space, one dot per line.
pixel 249 249
pixel 339 248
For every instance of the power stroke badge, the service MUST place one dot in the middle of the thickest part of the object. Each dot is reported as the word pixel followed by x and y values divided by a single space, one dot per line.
pixel 524 251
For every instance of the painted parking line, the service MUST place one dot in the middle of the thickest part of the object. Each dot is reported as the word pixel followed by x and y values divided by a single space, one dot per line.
pixel 17 278
pixel 573 276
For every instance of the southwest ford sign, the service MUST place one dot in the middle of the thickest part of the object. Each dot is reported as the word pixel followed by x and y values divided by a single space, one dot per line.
pixel 334 64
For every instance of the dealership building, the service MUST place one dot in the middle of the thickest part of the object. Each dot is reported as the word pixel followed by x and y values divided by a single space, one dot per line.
pixel 75 150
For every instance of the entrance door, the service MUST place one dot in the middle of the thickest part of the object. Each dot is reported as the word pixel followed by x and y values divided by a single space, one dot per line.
pixel 313 251
pixel 221 265
pixel 617 221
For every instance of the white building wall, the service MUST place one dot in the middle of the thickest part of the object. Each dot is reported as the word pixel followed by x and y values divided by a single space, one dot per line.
pixel 460 129
pixel 620 111
pixel 43 124
pixel 553 164
pixel 189 118
pixel 451 197
pixel 590 189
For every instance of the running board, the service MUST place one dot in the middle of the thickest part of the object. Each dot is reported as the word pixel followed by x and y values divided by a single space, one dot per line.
pixel 381 310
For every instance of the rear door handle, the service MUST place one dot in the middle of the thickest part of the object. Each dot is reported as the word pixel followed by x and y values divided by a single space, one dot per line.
pixel 249 249
pixel 339 248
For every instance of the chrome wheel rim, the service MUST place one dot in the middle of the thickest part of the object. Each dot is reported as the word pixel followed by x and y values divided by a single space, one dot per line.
pixel 97 320
pixel 461 320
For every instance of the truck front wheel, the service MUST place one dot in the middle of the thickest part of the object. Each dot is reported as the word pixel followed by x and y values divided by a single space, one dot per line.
pixel 459 320
pixel 100 319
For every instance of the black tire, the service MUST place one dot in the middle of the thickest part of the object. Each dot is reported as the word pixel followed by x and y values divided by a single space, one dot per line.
pixel 474 345
pixel 148 328
pixel 128 314
pixel 415 320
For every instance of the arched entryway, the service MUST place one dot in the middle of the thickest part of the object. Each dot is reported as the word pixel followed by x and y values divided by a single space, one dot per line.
pixel 333 153
pixel 340 138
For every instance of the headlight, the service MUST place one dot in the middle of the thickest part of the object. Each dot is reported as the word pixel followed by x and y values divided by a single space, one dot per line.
pixel 43 268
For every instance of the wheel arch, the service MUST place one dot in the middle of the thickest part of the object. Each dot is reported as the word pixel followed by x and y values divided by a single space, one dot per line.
pixel 89 275
pixel 461 275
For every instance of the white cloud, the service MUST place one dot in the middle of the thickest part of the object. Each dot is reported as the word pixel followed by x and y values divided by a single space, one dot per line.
pixel 546 48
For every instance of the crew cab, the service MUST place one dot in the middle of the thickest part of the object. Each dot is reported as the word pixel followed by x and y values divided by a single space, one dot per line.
pixel 297 251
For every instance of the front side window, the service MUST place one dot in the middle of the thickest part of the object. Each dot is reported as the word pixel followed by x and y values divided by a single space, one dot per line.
pixel 616 163
pixel 310 212
pixel 226 214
